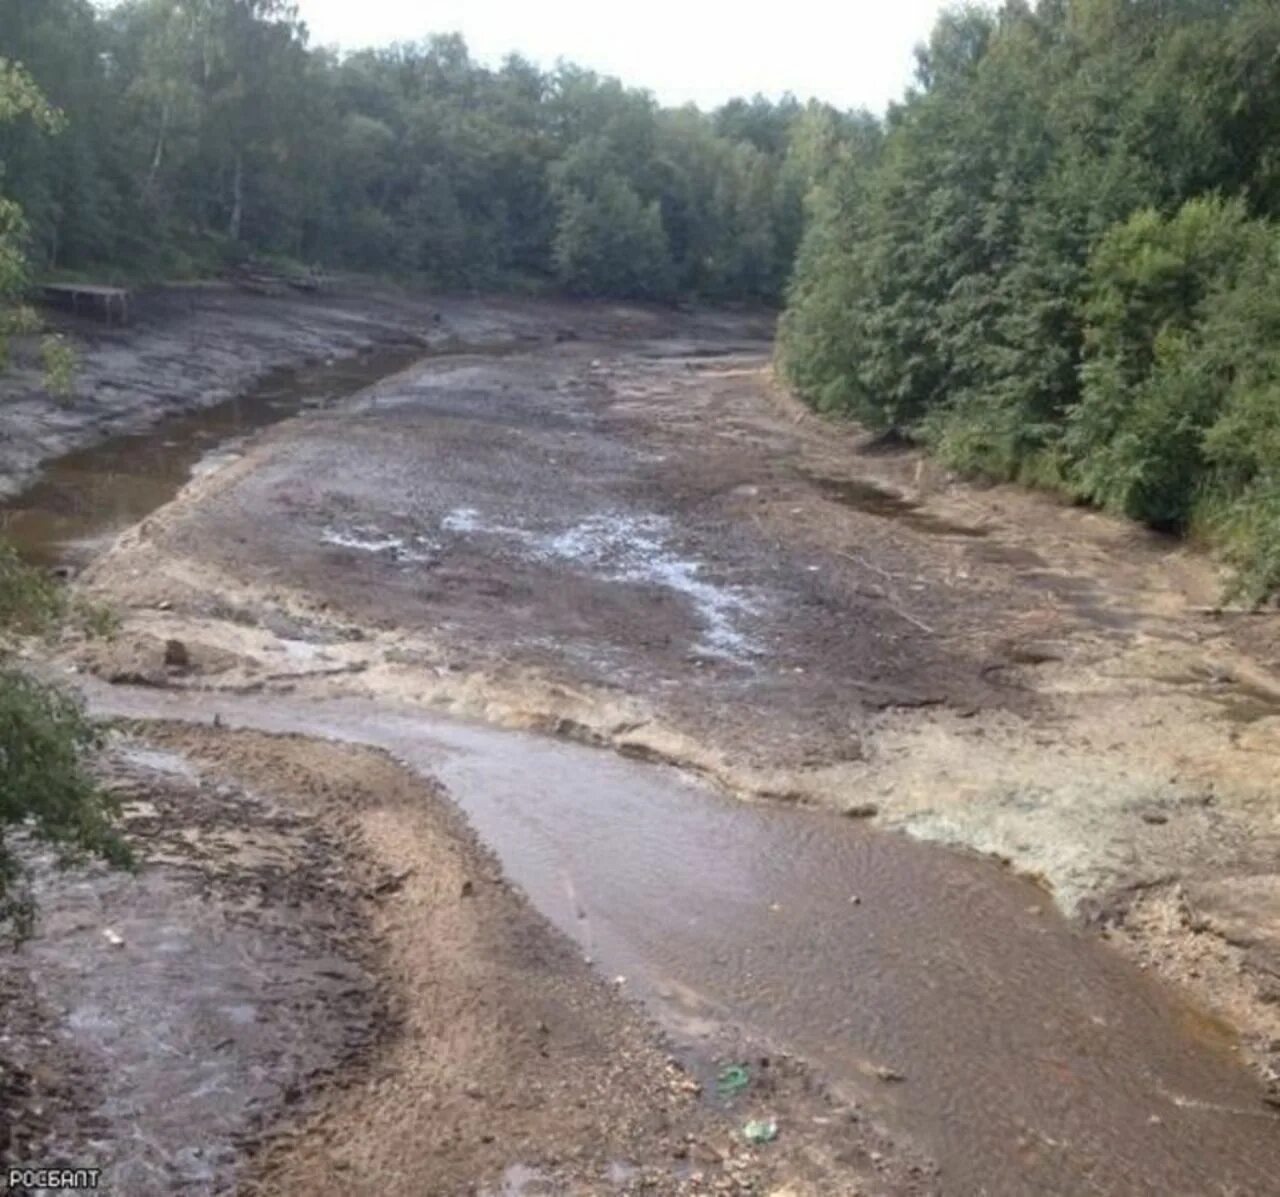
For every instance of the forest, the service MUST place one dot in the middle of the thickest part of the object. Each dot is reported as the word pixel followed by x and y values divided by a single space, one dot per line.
pixel 190 132
pixel 1061 264
pixel 1054 260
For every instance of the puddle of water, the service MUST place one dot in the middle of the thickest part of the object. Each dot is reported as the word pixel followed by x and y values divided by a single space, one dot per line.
pixel 1035 1060
pixel 875 500
pixel 95 493
pixel 626 548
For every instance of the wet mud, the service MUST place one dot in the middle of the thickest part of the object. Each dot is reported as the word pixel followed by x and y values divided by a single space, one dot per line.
pixel 630 537
pixel 1021 1055
pixel 182 1008
pixel 83 499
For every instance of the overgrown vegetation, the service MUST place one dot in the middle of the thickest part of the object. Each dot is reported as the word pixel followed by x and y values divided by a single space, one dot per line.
pixel 1061 264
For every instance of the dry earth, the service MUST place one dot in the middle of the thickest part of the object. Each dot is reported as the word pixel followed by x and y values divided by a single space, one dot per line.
pixel 633 538
pixel 620 530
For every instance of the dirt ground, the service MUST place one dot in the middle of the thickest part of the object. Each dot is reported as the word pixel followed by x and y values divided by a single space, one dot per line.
pixel 634 538
pixel 618 529
pixel 192 346
pixel 316 941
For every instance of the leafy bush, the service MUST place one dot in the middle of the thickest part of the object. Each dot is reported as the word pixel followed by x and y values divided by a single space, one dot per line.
pixel 60 363
pixel 1135 440
pixel 31 601
pixel 44 737
pixel 44 787
pixel 1179 423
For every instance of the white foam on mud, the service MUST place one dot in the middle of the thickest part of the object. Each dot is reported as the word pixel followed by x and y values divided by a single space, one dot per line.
pixel 463 519
pixel 367 540
pixel 370 540
pixel 626 548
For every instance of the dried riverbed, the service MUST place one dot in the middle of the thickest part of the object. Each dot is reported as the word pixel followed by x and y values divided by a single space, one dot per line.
pixel 620 532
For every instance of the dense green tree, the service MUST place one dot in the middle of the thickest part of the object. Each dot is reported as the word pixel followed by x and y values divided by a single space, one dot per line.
pixel 20 102
pixel 610 242
pixel 201 131
pixel 1021 277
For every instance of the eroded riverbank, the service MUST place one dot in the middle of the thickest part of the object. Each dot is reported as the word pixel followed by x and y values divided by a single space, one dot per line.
pixel 619 532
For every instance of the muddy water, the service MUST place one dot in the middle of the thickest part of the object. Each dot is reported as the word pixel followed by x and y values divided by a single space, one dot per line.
pixel 85 497
pixel 1034 1060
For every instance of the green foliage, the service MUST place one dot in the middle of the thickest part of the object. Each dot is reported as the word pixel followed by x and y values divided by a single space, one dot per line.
pixel 44 737
pixel 19 97
pixel 60 363
pixel 1055 268
pixel 44 788
pixel 1147 392
pixel 202 131
pixel 31 601
pixel 610 242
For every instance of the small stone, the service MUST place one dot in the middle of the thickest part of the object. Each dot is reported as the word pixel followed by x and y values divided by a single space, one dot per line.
pixel 861 810
pixel 177 655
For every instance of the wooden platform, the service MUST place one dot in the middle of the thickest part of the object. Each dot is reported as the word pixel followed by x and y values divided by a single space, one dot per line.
pixel 106 303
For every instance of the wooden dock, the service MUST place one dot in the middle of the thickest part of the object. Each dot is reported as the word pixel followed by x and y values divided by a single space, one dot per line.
pixel 105 303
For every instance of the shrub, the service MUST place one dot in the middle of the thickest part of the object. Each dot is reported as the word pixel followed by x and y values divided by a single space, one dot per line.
pixel 44 739
pixel 44 786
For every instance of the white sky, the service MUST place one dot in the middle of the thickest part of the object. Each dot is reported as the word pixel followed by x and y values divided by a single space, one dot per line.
pixel 850 54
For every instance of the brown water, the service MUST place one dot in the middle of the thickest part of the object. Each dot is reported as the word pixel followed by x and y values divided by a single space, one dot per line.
pixel 93 494
pixel 1035 1060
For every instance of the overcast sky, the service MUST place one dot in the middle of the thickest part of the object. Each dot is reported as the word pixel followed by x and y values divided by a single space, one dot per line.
pixel 850 54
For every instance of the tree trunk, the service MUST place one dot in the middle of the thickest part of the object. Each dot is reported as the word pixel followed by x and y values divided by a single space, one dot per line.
pixel 237 199
pixel 158 156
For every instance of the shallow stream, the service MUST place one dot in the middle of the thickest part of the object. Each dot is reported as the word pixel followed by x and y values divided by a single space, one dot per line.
pixel 1023 1055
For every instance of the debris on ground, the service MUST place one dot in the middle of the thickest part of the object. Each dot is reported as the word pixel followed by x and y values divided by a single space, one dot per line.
pixel 861 810
pixel 760 1131
pixel 733 1080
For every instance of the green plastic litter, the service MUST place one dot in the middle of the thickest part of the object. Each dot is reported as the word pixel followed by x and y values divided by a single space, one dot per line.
pixel 732 1080
pixel 760 1131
